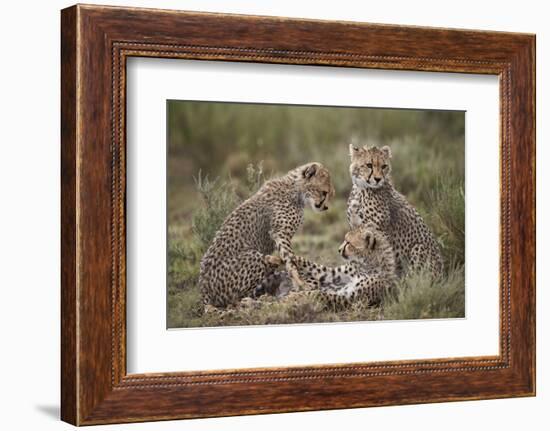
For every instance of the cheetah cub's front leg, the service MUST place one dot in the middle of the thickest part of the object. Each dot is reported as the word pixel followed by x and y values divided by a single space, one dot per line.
pixel 292 270
pixel 288 258
pixel 297 282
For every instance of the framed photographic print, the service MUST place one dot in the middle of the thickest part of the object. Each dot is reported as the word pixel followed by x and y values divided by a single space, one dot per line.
pixel 268 215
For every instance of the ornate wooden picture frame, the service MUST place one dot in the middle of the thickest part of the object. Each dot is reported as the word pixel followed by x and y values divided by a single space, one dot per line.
pixel 96 41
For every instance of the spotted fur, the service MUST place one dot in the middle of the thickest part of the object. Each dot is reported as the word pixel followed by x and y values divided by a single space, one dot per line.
pixel 366 277
pixel 376 203
pixel 240 255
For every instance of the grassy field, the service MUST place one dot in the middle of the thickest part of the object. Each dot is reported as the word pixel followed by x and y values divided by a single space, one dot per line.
pixel 220 153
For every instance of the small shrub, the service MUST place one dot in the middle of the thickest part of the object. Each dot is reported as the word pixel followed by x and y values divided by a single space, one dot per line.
pixel 219 200
pixel 183 264
pixel 418 296
pixel 447 217
pixel 184 308
pixel 255 177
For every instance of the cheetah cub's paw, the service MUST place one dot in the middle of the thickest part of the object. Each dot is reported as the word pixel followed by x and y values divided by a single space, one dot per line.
pixel 274 261
pixel 210 309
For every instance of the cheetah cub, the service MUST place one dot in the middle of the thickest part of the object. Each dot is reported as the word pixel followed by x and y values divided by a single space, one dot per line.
pixel 240 255
pixel 366 277
pixel 375 202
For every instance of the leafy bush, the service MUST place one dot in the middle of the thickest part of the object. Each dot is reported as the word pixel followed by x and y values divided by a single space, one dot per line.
pixel 219 200
pixel 418 296
pixel 183 263
pixel 255 177
pixel 447 218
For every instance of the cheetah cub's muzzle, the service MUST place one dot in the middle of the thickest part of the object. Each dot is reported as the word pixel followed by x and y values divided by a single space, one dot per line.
pixel 370 167
pixel 317 186
pixel 356 242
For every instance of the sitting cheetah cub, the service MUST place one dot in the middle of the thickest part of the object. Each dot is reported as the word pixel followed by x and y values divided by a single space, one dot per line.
pixel 374 202
pixel 240 255
pixel 366 277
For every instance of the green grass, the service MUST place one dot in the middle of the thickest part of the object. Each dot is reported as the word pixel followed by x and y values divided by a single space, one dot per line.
pixel 420 297
pixel 219 154
pixel 447 219
pixel 416 297
pixel 219 200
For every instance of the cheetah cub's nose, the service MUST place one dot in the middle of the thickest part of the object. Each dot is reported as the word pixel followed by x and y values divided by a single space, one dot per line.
pixel 321 207
pixel 342 249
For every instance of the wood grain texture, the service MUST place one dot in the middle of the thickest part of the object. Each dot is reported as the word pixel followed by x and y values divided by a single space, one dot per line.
pixel 68 218
pixel 96 41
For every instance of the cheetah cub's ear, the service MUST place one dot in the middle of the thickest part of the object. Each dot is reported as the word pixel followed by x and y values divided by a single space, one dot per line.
pixel 309 171
pixel 353 150
pixel 386 151
pixel 370 240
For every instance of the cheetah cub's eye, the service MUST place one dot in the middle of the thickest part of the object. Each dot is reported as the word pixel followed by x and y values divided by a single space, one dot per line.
pixel 369 165
pixel 384 166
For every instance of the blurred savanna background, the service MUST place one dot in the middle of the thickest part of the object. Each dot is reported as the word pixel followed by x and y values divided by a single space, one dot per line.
pixel 220 153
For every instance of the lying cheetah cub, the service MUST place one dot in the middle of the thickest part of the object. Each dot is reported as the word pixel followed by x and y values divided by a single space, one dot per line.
pixel 366 277
pixel 374 202
pixel 240 255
